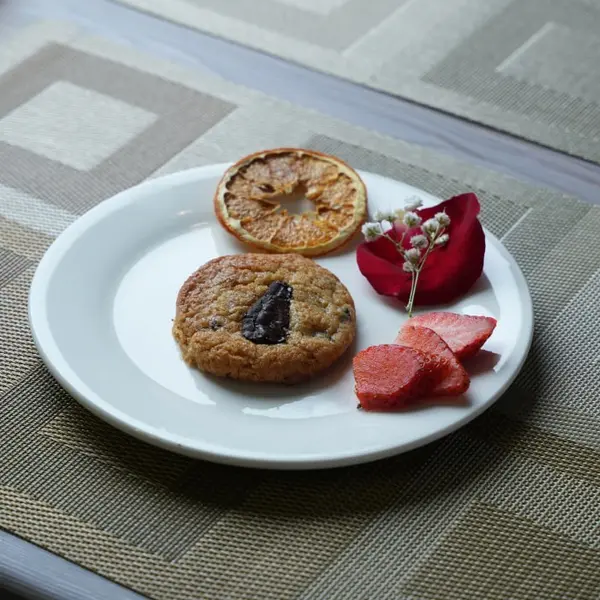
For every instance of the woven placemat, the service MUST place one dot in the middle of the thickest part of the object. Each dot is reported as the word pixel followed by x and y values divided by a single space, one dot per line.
pixel 504 508
pixel 526 67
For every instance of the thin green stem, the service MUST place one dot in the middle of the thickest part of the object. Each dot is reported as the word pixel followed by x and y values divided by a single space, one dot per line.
pixel 417 272
pixel 413 289
pixel 400 244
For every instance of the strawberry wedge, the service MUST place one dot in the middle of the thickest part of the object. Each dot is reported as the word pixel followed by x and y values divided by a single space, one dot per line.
pixel 450 377
pixel 389 376
pixel 464 334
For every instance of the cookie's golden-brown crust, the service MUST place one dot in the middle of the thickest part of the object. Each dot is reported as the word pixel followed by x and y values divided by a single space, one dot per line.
pixel 212 302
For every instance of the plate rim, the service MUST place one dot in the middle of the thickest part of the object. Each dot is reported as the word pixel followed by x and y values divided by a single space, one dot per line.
pixel 44 342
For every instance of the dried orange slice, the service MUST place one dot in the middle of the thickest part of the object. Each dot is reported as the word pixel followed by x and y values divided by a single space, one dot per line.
pixel 250 201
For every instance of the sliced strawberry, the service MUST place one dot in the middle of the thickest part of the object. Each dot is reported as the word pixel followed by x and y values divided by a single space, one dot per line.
pixel 450 377
pixel 388 376
pixel 464 334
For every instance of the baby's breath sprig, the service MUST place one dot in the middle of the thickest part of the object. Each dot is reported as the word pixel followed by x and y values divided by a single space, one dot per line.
pixel 433 235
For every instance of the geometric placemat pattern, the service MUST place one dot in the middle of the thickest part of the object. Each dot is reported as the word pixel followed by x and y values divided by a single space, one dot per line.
pixel 526 67
pixel 507 507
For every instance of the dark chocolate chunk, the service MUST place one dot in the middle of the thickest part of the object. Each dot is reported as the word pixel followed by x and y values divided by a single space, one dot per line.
pixel 268 320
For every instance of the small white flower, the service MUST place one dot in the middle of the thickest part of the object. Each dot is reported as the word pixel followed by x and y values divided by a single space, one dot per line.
pixel 399 214
pixel 430 226
pixel 386 226
pixel 411 219
pixel 413 256
pixel 372 231
pixel 408 267
pixel 443 219
pixel 413 203
pixel 419 241
pixel 443 239
pixel 385 215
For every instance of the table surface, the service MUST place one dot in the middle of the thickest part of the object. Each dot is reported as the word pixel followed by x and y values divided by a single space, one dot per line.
pixel 28 571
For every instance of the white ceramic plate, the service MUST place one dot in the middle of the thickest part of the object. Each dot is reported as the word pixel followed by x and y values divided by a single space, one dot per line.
pixel 101 305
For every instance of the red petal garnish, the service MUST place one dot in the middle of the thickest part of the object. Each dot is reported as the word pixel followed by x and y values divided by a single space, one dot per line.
pixel 450 270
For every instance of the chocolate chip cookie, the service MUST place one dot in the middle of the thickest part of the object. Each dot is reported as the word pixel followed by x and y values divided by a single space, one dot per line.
pixel 263 317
